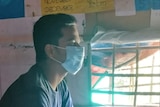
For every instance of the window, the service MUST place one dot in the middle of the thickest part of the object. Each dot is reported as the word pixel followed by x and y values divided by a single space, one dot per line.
pixel 126 74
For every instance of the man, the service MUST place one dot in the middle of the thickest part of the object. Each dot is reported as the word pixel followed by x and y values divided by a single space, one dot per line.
pixel 56 42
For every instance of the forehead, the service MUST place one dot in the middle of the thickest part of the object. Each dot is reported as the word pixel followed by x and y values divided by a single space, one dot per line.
pixel 69 33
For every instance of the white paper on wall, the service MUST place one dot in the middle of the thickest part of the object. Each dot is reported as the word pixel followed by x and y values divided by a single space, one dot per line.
pixel 125 7
pixel 155 18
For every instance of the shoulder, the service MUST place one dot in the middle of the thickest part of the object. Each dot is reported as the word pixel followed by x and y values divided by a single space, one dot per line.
pixel 27 98
pixel 24 91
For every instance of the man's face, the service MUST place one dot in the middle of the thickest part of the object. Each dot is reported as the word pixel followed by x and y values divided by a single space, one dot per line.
pixel 70 34
pixel 70 37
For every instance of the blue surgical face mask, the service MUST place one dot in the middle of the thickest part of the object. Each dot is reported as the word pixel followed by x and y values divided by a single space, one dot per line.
pixel 74 59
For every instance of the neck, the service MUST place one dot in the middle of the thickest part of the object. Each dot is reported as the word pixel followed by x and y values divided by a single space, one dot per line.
pixel 53 72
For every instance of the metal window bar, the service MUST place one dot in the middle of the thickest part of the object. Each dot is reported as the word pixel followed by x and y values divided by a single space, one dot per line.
pixel 89 61
pixel 136 81
pixel 113 65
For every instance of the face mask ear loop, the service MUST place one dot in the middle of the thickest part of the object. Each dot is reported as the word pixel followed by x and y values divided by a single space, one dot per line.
pixel 56 60
pixel 59 47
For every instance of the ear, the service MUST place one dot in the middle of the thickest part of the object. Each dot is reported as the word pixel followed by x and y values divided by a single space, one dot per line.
pixel 49 50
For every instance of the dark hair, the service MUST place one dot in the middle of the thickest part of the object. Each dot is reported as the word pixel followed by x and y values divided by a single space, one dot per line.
pixel 47 30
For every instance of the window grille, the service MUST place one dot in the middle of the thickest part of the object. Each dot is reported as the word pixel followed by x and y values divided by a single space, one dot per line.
pixel 126 74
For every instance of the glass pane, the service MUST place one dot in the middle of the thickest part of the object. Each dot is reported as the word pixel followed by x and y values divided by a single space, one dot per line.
pixel 127 68
pixel 124 59
pixel 101 98
pixel 123 99
pixel 124 84
pixel 144 89
pixel 102 83
pixel 144 80
pixel 156 88
pixel 149 58
pixel 148 84
pixel 148 100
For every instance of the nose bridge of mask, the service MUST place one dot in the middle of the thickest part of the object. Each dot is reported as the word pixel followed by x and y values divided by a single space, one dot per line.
pixel 72 46
pixel 71 49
